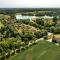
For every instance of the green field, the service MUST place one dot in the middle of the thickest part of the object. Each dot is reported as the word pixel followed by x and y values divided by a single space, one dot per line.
pixel 42 51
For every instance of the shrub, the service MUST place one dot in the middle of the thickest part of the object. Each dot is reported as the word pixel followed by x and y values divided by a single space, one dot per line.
pixel 45 37
pixel 17 50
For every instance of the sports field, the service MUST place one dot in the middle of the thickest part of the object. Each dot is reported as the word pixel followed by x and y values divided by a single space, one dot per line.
pixel 41 51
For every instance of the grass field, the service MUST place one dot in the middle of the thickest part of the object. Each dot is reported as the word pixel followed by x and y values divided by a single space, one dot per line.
pixel 42 51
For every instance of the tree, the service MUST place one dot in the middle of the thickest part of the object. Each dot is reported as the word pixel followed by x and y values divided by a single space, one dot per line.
pixel 40 22
pixel 8 55
pixel 1 49
pixel 38 34
pixel 26 21
pixel 53 39
pixel 55 20
pixel 45 37
pixel 3 55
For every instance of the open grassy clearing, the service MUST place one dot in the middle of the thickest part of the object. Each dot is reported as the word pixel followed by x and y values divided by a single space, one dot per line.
pixel 42 51
pixel 57 35
pixel 1 25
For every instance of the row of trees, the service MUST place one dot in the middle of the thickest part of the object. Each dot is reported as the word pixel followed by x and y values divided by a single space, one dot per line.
pixel 38 12
pixel 55 30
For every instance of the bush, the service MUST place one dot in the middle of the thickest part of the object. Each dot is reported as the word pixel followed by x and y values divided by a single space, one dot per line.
pixel 2 57
pixel 27 46
pixel 45 37
pixel 12 53
pixel 23 48
pixel 17 50
pixel 34 43
pixel 7 55
pixel 54 40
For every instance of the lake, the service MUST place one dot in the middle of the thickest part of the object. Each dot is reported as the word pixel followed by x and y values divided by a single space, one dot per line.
pixel 32 17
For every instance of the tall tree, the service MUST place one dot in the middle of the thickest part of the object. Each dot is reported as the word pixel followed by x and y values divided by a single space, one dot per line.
pixel 55 20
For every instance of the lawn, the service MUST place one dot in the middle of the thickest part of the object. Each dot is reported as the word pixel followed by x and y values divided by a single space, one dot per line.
pixel 42 51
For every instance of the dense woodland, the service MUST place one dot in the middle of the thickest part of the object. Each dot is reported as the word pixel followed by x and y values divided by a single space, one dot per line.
pixel 49 11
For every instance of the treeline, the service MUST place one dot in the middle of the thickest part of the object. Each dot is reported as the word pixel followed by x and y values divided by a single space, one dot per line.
pixel 55 30
pixel 23 11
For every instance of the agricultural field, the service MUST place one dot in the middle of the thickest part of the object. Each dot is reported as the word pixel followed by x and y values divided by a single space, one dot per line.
pixel 42 51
